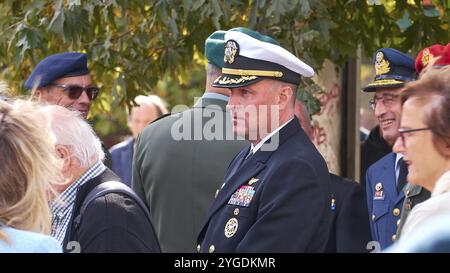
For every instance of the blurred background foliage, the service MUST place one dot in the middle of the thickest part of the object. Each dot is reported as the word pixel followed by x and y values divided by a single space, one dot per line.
pixel 142 47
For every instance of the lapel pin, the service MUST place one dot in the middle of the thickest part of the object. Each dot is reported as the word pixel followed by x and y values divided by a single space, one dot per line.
pixel 252 181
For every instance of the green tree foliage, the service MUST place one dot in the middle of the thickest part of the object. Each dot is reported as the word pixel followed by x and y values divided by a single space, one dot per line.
pixel 133 44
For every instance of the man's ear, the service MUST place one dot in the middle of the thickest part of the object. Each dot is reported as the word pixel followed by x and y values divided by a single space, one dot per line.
pixel 129 124
pixel 64 153
pixel 39 93
pixel 445 148
pixel 442 146
pixel 285 95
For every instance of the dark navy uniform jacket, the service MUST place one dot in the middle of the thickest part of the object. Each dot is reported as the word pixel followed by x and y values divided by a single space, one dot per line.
pixel 350 229
pixel 383 201
pixel 275 201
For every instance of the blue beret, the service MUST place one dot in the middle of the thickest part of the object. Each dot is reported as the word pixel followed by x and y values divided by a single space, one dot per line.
pixel 392 69
pixel 214 45
pixel 61 65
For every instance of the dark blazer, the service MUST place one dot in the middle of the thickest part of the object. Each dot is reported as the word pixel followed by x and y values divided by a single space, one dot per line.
pixel 289 208
pixel 178 178
pixel 111 223
pixel 122 159
pixel 350 230
pixel 384 205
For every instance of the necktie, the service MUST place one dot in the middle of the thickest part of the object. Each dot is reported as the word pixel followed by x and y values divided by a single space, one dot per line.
pixel 401 182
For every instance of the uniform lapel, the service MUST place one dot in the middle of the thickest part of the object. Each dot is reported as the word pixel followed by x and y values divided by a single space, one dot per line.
pixel 400 197
pixel 240 159
pixel 241 173
pixel 387 178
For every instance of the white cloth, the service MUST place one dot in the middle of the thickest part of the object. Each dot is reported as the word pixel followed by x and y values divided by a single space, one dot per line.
pixel 254 48
pixel 431 237
pixel 438 204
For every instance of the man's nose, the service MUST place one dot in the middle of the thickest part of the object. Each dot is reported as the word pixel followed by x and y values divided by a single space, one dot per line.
pixel 84 98
pixel 232 101
pixel 380 108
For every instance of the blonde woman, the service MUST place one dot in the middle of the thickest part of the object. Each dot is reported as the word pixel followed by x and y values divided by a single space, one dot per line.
pixel 28 167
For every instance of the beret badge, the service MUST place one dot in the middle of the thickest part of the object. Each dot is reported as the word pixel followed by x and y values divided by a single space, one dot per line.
pixel 427 57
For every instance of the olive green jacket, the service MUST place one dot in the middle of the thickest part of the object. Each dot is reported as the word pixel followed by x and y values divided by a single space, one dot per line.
pixel 414 194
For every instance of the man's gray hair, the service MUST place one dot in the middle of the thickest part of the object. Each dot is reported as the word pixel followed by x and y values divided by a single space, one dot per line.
pixel 71 130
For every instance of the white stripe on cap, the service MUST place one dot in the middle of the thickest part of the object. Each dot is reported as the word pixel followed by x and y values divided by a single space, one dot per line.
pixel 256 49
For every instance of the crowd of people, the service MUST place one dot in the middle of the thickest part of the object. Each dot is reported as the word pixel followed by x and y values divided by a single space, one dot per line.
pixel 264 189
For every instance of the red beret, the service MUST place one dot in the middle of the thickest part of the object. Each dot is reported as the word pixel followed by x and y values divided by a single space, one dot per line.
pixel 439 54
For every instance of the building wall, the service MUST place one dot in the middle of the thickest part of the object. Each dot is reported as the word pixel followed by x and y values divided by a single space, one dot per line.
pixel 327 123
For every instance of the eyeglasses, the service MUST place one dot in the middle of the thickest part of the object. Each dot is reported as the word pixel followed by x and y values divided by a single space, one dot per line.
pixel 387 99
pixel 404 132
pixel 75 91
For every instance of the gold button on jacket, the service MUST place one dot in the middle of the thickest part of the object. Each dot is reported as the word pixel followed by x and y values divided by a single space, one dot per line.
pixel 396 212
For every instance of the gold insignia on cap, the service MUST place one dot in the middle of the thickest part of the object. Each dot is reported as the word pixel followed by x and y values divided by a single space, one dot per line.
pixel 381 65
pixel 427 57
pixel 378 186
pixel 246 72
pixel 231 227
pixel 252 181
pixel 226 80
pixel 231 49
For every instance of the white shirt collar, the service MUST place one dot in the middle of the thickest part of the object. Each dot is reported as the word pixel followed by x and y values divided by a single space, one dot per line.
pixel 255 148
pixel 217 96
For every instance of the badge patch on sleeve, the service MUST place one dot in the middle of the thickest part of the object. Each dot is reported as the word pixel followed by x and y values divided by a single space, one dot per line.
pixel 243 196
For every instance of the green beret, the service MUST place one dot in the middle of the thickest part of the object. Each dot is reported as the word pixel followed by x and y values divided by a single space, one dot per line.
pixel 214 46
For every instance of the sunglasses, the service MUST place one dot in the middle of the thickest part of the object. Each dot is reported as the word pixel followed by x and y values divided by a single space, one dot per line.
pixel 75 91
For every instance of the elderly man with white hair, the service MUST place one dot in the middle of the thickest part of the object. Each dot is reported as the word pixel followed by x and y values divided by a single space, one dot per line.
pixel 147 109
pixel 108 221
